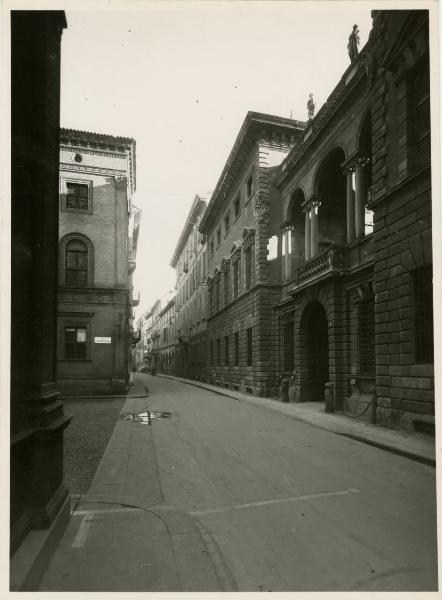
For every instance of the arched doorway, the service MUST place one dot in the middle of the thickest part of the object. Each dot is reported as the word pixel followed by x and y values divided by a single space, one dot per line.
pixel 314 330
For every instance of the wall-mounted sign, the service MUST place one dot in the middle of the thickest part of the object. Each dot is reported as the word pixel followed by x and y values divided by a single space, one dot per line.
pixel 102 340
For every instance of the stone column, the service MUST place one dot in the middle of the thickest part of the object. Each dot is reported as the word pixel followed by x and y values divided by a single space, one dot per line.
pixel 314 230
pixel 350 208
pixel 360 201
pixel 307 234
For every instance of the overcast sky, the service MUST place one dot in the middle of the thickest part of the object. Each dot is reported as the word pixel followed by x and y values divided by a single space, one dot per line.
pixel 179 77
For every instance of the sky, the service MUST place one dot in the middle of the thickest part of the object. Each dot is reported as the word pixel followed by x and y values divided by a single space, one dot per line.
pixel 180 77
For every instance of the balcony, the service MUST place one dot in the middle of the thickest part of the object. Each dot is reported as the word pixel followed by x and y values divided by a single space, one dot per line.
pixel 333 260
pixel 330 260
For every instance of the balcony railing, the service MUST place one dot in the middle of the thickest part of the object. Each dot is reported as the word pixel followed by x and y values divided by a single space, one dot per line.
pixel 332 259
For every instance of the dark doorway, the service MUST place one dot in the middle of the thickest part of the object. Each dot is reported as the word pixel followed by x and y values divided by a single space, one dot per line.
pixel 317 351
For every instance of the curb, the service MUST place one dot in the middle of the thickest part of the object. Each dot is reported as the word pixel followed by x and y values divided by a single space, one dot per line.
pixel 380 445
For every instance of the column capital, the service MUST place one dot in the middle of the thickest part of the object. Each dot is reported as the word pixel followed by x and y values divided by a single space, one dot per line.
pixel 311 201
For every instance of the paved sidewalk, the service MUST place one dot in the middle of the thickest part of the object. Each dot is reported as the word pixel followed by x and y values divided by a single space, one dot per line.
pixel 415 446
pixel 122 536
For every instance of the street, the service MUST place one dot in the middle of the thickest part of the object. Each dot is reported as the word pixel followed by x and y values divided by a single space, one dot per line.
pixel 289 506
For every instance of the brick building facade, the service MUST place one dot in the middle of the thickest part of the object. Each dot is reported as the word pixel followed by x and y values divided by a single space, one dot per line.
pixel 98 233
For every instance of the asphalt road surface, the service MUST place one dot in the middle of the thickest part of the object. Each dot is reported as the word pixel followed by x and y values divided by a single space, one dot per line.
pixel 289 506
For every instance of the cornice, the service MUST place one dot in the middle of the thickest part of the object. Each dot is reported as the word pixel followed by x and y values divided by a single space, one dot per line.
pixel 101 142
pixel 87 150
pixel 251 132
pixel 198 207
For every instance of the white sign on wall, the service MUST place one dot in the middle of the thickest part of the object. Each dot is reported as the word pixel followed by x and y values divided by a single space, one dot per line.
pixel 102 340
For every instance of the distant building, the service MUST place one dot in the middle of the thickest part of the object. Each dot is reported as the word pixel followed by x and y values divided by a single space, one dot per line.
pixel 97 248
pixel 163 337
pixel 190 262
pixel 39 499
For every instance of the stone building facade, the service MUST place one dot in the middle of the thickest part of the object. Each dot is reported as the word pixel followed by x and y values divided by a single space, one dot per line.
pixel 356 306
pixel 190 262
pixel 241 225
pixel 318 239
pixel 97 249
pixel 39 499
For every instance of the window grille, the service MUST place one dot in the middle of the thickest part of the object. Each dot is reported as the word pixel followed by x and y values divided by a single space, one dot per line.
pixel 236 272
pixel 76 267
pixel 249 347
pixel 75 343
pixel 77 196
pixel 423 314
pixel 236 349
pixel 226 285
pixel 248 257
pixel 366 353
pixel 288 340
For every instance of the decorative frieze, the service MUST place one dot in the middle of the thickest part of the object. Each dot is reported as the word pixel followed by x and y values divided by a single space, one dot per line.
pixel 92 170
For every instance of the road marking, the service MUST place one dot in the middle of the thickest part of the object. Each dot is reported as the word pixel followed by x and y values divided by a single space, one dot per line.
pixel 80 538
pixel 99 511
pixel 210 511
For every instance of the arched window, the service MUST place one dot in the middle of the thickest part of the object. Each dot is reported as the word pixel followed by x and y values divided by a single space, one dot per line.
pixel 76 264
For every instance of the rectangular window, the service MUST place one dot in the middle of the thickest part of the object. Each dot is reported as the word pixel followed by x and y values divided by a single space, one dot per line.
pixel 248 266
pixel 288 340
pixel 421 117
pixel 77 196
pixel 236 275
pixel 249 346
pixel 227 223
pixel 217 295
pixel 236 349
pixel 75 343
pixel 76 264
pixel 226 350
pixel 218 352
pixel 423 314
pixel 366 350
pixel 249 186
pixel 218 237
pixel 226 285
pixel 212 361
pixel 237 206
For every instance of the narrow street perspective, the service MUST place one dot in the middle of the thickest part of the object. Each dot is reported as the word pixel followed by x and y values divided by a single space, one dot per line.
pixel 221 367
pixel 220 494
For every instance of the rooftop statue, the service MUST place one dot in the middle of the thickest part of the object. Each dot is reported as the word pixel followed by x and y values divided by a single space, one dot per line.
pixel 311 107
pixel 353 43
